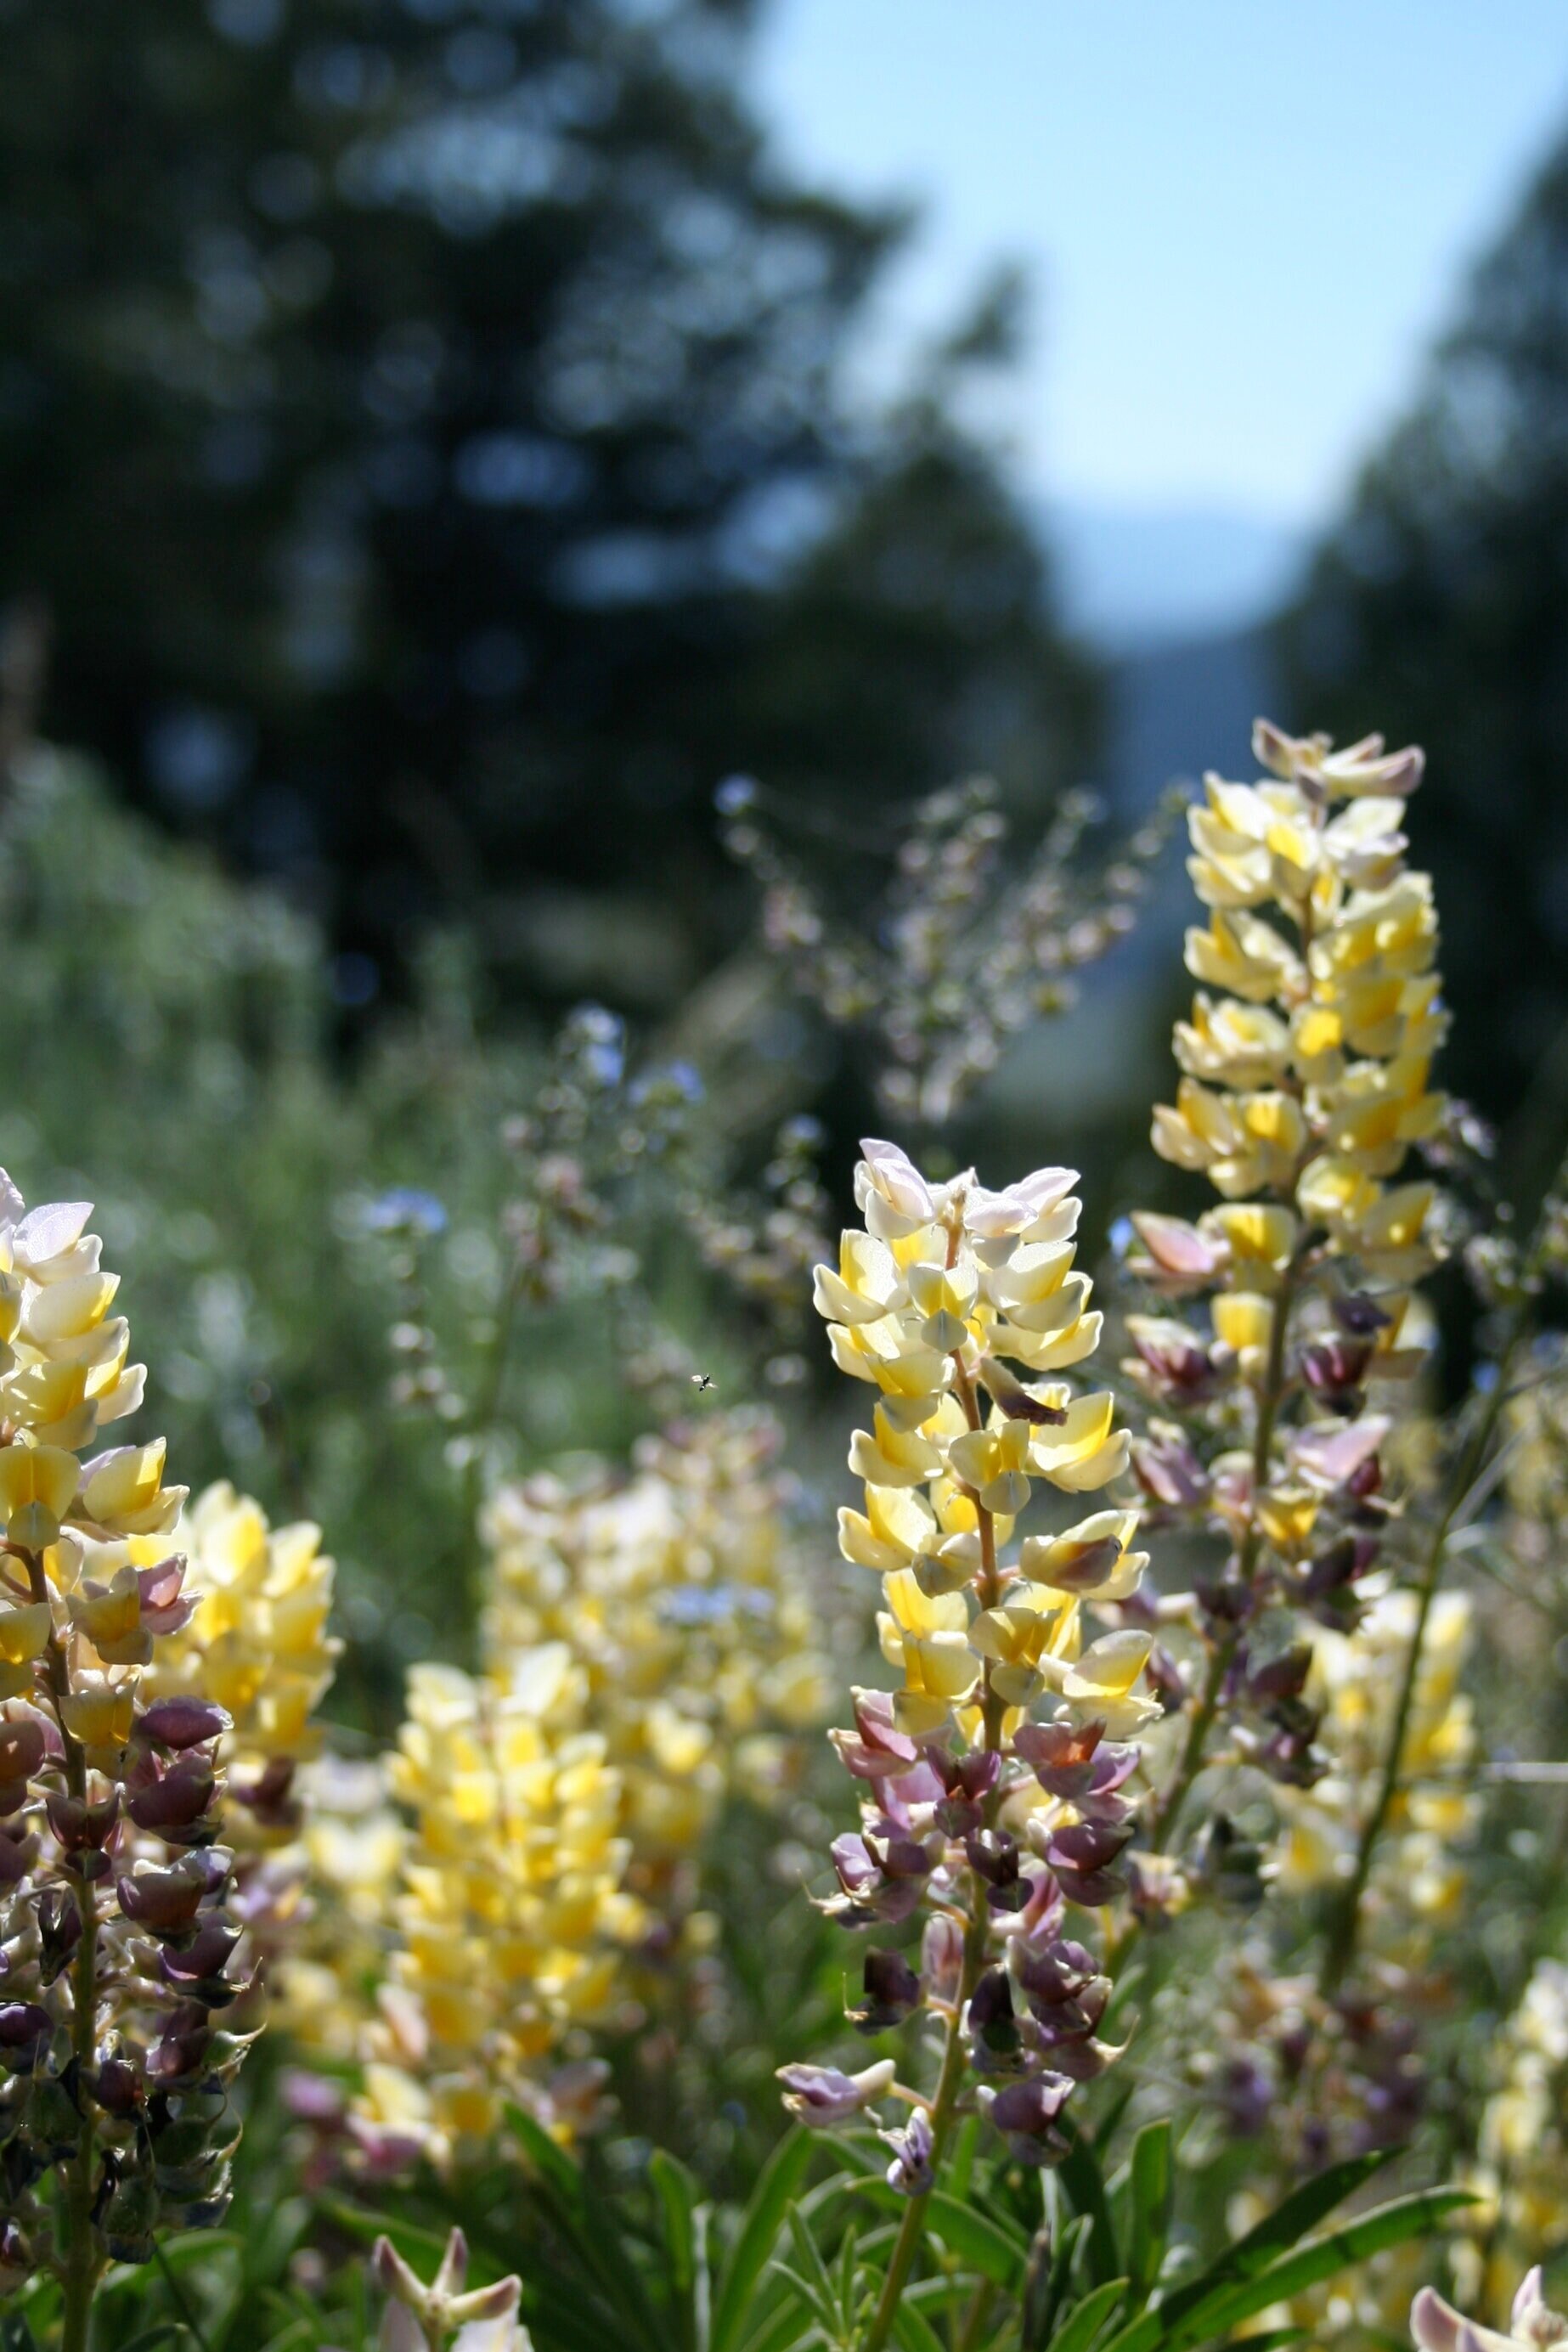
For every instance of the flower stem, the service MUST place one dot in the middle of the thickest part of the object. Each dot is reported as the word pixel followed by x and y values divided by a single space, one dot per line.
pixel 911 2229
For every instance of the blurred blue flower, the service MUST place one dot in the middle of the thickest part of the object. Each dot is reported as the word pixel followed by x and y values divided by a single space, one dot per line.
pixel 406 1210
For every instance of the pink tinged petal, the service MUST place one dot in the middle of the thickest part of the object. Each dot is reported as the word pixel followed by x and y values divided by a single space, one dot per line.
pixel 1329 1455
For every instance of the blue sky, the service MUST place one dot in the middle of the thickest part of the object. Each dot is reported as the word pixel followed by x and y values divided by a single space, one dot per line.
pixel 1245 219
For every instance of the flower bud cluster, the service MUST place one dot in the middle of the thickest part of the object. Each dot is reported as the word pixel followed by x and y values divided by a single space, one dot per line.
pixel 992 1774
pixel 680 1598
pixel 119 1930
pixel 978 940
pixel 510 1918
pixel 1286 1309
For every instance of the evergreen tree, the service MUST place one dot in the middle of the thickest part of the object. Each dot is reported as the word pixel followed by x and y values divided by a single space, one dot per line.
pixel 1437 610
pixel 417 416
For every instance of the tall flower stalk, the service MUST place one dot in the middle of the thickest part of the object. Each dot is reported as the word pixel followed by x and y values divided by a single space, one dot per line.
pixel 1305 1063
pixel 992 1773
pixel 119 1937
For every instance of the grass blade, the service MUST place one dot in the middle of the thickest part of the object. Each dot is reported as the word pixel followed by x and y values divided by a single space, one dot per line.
pixel 776 2191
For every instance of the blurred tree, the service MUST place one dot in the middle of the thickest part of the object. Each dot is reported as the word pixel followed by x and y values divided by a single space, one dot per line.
pixel 423 420
pixel 1437 610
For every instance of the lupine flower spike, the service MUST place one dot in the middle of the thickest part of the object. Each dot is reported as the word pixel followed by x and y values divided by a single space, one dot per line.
pixel 1305 1085
pixel 120 1934
pixel 991 1774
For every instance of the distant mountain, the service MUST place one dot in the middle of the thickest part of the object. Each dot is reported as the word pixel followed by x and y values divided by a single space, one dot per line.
pixel 1131 577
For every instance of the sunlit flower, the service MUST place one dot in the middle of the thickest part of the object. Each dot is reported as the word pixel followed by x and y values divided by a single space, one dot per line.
pixel 993 1770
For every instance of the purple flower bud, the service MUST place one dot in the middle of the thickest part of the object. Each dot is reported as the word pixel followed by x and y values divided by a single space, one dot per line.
pixel 1026 2113
pixel 186 2038
pixel 825 2095
pixel 990 2019
pixel 177 1799
pixel 901 1857
pixel 17 1857
pixel 116 2087
pixel 23 2025
pixel 910 2171
pixel 206 1953
pixel 60 1931
pixel 1086 1845
pixel 21 1748
pixel 892 1991
pixel 1334 1371
pixel 994 1858
pixel 81 1827
pixel 875 1749
pixel 162 1900
pixel 1283 1677
pixel 179 1723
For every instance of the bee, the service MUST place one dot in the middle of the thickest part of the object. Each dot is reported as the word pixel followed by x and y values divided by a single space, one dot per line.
pixel 702 1380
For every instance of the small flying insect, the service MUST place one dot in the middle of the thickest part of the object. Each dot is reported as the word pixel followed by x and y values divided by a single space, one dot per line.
pixel 702 1379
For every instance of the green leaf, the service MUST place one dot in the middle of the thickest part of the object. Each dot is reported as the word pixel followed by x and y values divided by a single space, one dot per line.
pixel 1149 2185
pixel 599 2249
pixel 360 2222
pixel 677 2199
pixel 1084 2321
pixel 1325 2258
pixel 1278 2231
pixel 787 2327
pixel 824 2301
pixel 912 2331
pixel 776 2190
pixel 1081 2178
pixel 547 2158
pixel 997 2250
pixel 1045 2288
pixel 960 2163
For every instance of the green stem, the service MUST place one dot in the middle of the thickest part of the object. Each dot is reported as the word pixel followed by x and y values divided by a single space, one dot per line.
pixel 911 2229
